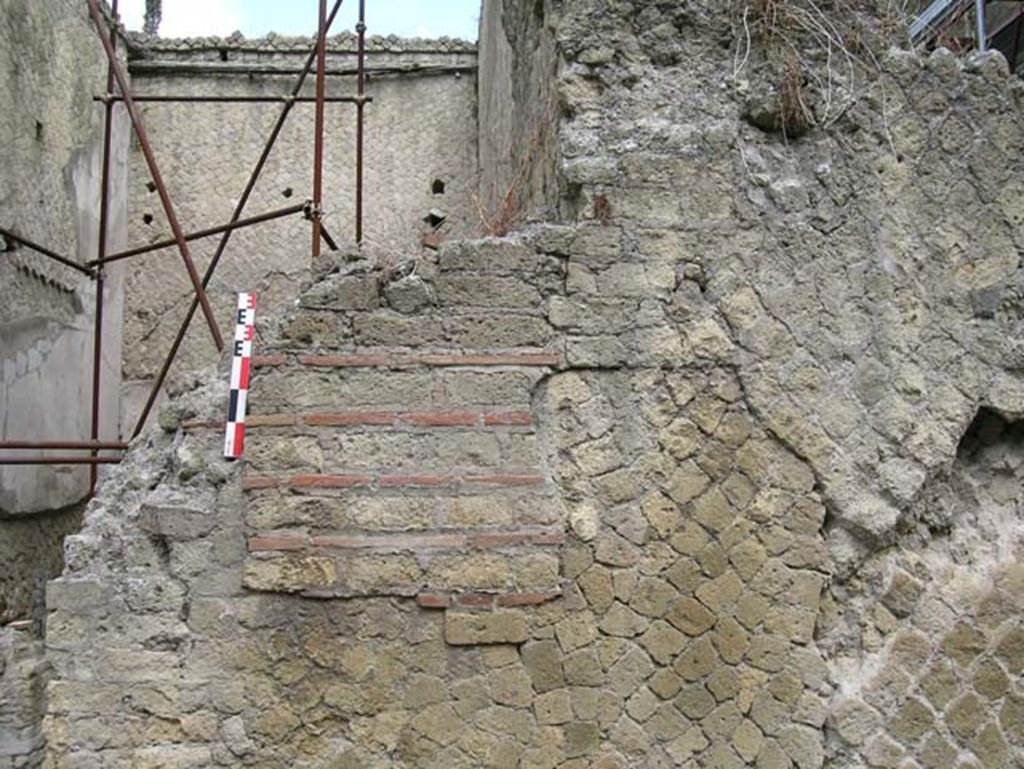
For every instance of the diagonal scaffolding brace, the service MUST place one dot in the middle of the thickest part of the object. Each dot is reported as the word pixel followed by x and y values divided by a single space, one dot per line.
pixel 250 185
pixel 154 170
pixel 117 91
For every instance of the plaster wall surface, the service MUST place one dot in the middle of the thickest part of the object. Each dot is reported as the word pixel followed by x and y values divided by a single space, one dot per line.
pixel 51 133
pixel 420 128
pixel 519 115
pixel 722 471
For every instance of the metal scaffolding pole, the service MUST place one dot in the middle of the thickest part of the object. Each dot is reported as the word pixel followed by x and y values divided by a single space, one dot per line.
pixel 154 170
pixel 250 185
pixel 318 130
pixel 117 91
pixel 200 234
pixel 360 104
pixel 979 9
pixel 101 250
pixel 237 99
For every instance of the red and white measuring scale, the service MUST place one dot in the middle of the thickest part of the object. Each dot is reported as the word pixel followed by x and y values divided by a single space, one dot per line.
pixel 241 368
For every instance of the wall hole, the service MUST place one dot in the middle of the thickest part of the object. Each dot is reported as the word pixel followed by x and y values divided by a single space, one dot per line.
pixel 147 218
pixel 151 186
pixel 435 218
pixel 437 187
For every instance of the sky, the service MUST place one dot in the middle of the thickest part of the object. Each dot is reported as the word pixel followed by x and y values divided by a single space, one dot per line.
pixel 255 18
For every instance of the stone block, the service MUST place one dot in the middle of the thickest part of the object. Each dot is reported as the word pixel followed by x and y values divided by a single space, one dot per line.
pixel 473 628
pixel 494 256
pixel 461 290
pixel 386 328
pixel 486 331
pixel 76 595
pixel 290 573
pixel 176 523
pixel 344 292
pixel 543 663
pixel 553 707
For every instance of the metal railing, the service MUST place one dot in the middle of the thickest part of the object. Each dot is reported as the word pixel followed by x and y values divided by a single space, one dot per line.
pixel 118 91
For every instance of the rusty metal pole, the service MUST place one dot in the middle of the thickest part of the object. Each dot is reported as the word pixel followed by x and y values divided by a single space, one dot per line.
pixel 101 251
pixel 154 392
pixel 189 99
pixel 70 445
pixel 59 460
pixel 318 130
pixel 13 237
pixel 204 233
pixel 154 170
pixel 360 104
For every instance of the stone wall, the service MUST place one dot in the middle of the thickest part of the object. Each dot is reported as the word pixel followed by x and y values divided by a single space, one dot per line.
pixel 23 677
pixel 724 473
pixel 866 282
pixel 519 114
pixel 51 64
pixel 51 133
pixel 420 156
pixel 32 551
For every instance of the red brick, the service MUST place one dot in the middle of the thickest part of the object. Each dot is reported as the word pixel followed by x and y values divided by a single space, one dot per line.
pixel 253 420
pixel 511 538
pixel 500 539
pixel 350 418
pixel 510 418
pixel 432 240
pixel 277 542
pixel 390 541
pixel 329 481
pixel 267 361
pixel 506 480
pixel 391 481
pixel 340 541
pixel 390 360
pixel 202 424
pixel 434 600
pixel 260 482
pixel 385 418
pixel 548 538
pixel 492 359
pixel 527 599
pixel 347 361
pixel 442 418
pixel 475 600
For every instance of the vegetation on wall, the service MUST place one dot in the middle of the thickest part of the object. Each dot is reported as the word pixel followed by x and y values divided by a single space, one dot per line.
pixel 810 58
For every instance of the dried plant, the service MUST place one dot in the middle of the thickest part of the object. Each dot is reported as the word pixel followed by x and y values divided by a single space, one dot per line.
pixel 509 211
pixel 820 57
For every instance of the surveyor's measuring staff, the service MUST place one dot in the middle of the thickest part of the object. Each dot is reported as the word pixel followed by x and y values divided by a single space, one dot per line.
pixel 241 367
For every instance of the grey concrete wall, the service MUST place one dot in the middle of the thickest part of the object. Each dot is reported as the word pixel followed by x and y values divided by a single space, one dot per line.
pixel 50 66
pixel 420 127
pixel 518 113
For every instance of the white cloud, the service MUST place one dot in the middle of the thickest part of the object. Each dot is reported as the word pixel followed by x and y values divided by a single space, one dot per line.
pixel 188 18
